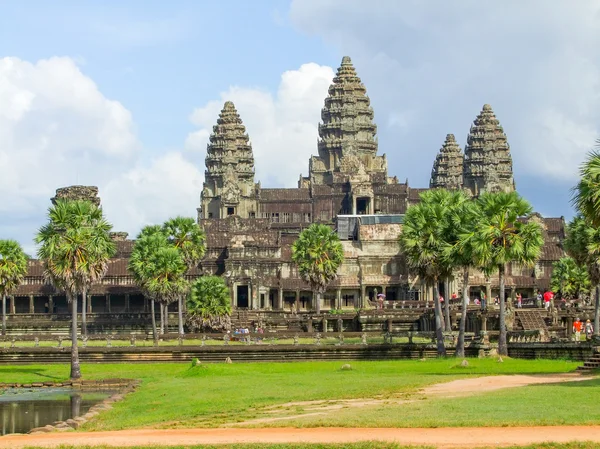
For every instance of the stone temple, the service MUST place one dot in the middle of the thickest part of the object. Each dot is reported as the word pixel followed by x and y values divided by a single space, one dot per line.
pixel 250 229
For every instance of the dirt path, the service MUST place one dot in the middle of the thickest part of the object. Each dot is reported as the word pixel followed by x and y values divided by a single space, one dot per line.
pixel 442 437
pixel 456 388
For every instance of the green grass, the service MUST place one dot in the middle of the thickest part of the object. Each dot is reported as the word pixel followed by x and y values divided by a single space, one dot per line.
pixel 176 395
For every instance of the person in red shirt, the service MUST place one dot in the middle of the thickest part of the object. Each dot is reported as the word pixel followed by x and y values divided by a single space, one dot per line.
pixel 577 325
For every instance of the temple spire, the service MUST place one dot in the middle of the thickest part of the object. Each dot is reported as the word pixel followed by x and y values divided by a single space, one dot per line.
pixel 447 172
pixel 229 177
pixel 347 119
pixel 488 162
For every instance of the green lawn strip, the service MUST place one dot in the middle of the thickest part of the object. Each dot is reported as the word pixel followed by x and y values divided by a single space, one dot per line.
pixel 536 405
pixel 177 395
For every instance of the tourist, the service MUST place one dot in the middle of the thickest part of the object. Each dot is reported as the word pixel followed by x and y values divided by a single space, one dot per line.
pixel 519 301
pixel 589 330
pixel 538 301
pixel 548 296
pixel 483 301
pixel 577 325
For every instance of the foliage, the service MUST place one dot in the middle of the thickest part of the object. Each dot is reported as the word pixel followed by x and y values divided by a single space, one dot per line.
pixel 209 304
pixel 569 279
pixel 13 266
pixel 184 234
pixel 505 236
pixel 318 253
pixel 586 198
pixel 75 247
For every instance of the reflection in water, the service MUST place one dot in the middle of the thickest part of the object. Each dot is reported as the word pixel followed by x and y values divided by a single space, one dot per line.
pixel 22 410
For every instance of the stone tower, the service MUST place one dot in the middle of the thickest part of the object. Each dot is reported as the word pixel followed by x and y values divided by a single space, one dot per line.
pixel 347 139
pixel 488 163
pixel 447 172
pixel 229 187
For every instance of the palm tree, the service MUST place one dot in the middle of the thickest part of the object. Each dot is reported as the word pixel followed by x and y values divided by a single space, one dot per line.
pixel 13 268
pixel 504 237
pixel 318 253
pixel 157 268
pixel 569 279
pixel 209 304
pixel 462 224
pixel 586 194
pixel 423 243
pixel 184 234
pixel 73 244
pixel 583 245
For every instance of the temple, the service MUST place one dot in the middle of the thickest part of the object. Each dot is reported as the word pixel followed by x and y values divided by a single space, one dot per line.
pixel 250 229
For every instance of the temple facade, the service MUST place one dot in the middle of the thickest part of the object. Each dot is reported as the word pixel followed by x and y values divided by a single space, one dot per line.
pixel 250 229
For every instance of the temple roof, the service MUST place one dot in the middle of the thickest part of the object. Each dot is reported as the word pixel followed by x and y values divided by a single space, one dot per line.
pixel 447 169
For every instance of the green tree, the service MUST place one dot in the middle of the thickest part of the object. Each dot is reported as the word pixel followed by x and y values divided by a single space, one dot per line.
pixel 318 253
pixel 569 279
pixel 586 194
pixel 461 225
pixel 73 244
pixel 504 236
pixel 13 268
pixel 184 234
pixel 423 243
pixel 209 304
pixel 583 245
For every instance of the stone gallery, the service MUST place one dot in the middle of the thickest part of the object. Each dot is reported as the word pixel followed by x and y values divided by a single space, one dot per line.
pixel 250 229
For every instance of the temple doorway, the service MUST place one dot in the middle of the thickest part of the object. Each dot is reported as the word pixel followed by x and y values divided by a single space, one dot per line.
pixel 363 206
pixel 242 296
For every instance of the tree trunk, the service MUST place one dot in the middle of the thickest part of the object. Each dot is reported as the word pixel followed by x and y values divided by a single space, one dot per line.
pixel 3 314
pixel 502 347
pixel 447 306
pixel 180 315
pixel 318 302
pixel 439 333
pixel 460 346
pixel 166 312
pixel 597 312
pixel 162 317
pixel 154 332
pixel 83 312
pixel 75 368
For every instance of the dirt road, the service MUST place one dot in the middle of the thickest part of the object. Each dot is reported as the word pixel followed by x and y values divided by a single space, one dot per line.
pixel 443 437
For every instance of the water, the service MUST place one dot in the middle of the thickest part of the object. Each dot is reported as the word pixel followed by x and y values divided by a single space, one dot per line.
pixel 24 409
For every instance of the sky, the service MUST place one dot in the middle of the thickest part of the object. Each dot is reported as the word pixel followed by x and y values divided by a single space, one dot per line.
pixel 123 95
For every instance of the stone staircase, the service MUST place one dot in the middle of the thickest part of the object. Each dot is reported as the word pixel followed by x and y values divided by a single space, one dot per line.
pixel 531 320
pixel 591 364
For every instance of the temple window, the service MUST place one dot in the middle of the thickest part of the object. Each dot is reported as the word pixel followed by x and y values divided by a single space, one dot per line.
pixel 230 211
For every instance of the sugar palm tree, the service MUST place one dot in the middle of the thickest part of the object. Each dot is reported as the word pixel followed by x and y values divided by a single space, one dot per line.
pixel 209 303
pixel 423 243
pixel 13 268
pixel 504 237
pixel 462 224
pixel 583 245
pixel 586 194
pixel 318 253
pixel 569 279
pixel 184 234
pixel 73 244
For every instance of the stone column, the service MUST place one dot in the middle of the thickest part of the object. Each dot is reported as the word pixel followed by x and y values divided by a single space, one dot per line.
pixel 297 300
pixel 484 322
pixel 279 298
pixel 338 298
pixel 146 308
pixel 324 325
pixel 50 304
pixel 127 302
pixel 234 295
pixel 89 303
pixel 31 304
pixel 11 304
pixel 107 296
pixel 363 296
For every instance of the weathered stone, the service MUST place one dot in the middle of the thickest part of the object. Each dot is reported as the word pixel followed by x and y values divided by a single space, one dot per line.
pixel 464 363
pixel 447 172
pixel 346 367
pixel 228 360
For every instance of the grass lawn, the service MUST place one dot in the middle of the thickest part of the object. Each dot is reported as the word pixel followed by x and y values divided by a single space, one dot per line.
pixel 176 395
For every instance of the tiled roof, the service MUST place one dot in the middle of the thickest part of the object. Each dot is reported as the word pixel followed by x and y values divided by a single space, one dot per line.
pixel 284 195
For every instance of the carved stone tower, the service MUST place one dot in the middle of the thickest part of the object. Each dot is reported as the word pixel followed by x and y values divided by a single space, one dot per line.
pixel 229 187
pixel 347 134
pixel 447 170
pixel 488 163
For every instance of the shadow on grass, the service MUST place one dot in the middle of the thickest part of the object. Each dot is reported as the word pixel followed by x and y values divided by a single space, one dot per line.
pixel 25 370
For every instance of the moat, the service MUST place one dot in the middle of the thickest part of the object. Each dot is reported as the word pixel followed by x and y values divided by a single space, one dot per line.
pixel 22 409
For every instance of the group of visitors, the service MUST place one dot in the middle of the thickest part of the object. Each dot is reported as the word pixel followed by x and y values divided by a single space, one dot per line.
pixel 587 328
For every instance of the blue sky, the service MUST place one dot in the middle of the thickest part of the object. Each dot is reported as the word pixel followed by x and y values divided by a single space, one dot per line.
pixel 123 94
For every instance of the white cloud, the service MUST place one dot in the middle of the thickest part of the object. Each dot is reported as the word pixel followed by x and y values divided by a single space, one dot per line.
pixel 58 129
pixel 438 62
pixel 282 128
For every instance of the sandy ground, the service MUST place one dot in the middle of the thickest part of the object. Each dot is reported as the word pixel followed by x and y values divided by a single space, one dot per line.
pixel 440 437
